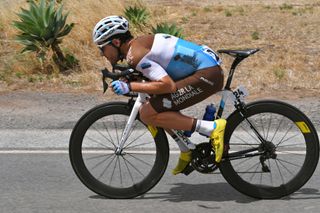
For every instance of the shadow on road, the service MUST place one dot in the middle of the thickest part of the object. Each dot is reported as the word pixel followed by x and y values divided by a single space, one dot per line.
pixel 182 192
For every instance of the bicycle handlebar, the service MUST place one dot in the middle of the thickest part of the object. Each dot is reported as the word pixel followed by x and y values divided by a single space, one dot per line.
pixel 125 72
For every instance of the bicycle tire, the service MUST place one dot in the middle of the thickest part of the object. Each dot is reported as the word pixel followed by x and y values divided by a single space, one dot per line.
pixel 93 120
pixel 232 172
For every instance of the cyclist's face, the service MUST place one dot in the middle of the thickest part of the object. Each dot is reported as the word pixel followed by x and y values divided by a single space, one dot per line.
pixel 110 52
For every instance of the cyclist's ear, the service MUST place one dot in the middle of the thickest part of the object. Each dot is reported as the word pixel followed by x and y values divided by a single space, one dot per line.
pixel 116 42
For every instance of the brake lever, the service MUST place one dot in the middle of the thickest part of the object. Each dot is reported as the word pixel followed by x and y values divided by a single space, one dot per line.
pixel 105 84
pixel 113 76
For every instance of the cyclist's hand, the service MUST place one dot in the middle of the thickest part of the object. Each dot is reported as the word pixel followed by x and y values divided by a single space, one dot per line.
pixel 120 87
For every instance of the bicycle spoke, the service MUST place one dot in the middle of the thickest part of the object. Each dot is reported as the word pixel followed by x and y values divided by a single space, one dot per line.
pixel 284 135
pixel 280 172
pixel 247 171
pixel 99 163
pixel 277 129
pixel 139 160
pixel 250 134
pixel 289 163
pixel 95 141
pixel 255 172
pixel 271 178
pixel 285 167
pixel 115 125
pixel 239 163
pixel 124 160
pixel 295 144
pixel 99 156
pixel 292 153
pixel 104 136
pixel 269 126
pixel 125 121
pixel 106 168
pixel 245 143
pixel 120 172
pixel 114 168
pixel 111 139
pixel 133 128
pixel 262 127
pixel 291 137
pixel 135 139
pixel 134 167
pixel 128 147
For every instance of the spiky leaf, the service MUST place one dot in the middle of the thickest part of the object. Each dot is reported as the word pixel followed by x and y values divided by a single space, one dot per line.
pixel 170 29
pixel 41 26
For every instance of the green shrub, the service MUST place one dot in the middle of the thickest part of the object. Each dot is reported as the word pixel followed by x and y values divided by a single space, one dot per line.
pixel 43 27
pixel 170 29
pixel 136 15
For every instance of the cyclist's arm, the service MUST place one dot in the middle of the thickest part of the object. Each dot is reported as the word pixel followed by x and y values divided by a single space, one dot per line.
pixel 162 86
pixel 161 82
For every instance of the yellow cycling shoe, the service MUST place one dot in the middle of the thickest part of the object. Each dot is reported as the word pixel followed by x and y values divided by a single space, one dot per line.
pixel 184 160
pixel 217 137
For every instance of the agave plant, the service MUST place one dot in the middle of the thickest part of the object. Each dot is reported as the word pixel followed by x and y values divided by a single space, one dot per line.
pixel 136 15
pixel 42 27
pixel 170 29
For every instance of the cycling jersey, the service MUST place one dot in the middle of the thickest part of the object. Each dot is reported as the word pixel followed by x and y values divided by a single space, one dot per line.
pixel 175 57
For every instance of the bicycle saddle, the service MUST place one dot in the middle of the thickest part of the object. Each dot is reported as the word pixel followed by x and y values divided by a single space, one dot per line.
pixel 239 53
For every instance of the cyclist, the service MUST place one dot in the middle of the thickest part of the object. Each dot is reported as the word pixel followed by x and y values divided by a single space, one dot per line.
pixel 181 74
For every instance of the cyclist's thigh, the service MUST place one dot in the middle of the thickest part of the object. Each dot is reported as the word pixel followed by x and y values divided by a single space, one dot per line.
pixel 190 90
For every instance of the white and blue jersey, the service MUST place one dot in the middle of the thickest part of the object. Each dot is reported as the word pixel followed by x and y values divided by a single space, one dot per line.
pixel 175 57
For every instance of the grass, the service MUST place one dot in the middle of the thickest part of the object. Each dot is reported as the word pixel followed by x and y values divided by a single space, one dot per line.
pixel 290 44
pixel 255 35
pixel 207 9
pixel 227 13
pixel 279 73
pixel 286 6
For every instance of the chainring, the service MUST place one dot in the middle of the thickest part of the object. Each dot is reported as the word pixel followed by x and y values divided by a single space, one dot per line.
pixel 203 158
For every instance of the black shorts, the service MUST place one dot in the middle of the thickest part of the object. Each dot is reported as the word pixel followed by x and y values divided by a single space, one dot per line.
pixel 190 90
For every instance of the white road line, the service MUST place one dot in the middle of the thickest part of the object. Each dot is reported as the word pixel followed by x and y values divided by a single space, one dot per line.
pixel 107 152
pixel 67 152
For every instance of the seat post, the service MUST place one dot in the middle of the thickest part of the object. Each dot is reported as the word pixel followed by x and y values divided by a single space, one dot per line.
pixel 235 63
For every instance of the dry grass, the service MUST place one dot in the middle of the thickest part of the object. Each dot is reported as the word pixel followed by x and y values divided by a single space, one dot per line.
pixel 287 33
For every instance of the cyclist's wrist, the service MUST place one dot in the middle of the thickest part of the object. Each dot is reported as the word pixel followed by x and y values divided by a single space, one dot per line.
pixel 129 86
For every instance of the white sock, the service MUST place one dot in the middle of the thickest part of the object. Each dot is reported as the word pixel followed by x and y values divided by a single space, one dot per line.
pixel 205 127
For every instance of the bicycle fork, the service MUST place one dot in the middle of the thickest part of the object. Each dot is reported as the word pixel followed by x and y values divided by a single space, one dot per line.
pixel 142 97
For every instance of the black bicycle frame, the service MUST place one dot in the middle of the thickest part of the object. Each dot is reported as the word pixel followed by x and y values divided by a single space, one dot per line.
pixel 240 106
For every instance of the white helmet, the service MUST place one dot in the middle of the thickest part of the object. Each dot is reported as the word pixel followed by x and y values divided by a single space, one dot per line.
pixel 108 27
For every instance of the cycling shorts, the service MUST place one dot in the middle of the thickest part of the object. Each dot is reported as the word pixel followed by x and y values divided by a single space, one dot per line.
pixel 190 90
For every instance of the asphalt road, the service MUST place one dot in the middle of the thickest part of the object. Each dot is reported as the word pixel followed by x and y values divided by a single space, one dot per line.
pixel 46 183
pixel 36 175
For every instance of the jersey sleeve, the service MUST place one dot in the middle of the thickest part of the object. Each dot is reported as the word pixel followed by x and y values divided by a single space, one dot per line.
pixel 151 69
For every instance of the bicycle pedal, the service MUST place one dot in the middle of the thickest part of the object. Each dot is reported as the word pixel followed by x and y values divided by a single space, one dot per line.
pixel 187 170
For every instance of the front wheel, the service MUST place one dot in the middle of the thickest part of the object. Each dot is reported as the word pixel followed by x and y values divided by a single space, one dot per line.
pixel 280 165
pixel 126 174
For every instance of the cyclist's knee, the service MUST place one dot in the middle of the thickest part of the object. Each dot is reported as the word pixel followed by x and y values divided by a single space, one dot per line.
pixel 147 113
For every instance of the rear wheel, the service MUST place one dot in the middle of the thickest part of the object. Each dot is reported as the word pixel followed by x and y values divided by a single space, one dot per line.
pixel 135 170
pixel 280 166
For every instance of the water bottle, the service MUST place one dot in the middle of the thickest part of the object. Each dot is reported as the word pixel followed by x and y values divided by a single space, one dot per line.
pixel 209 115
